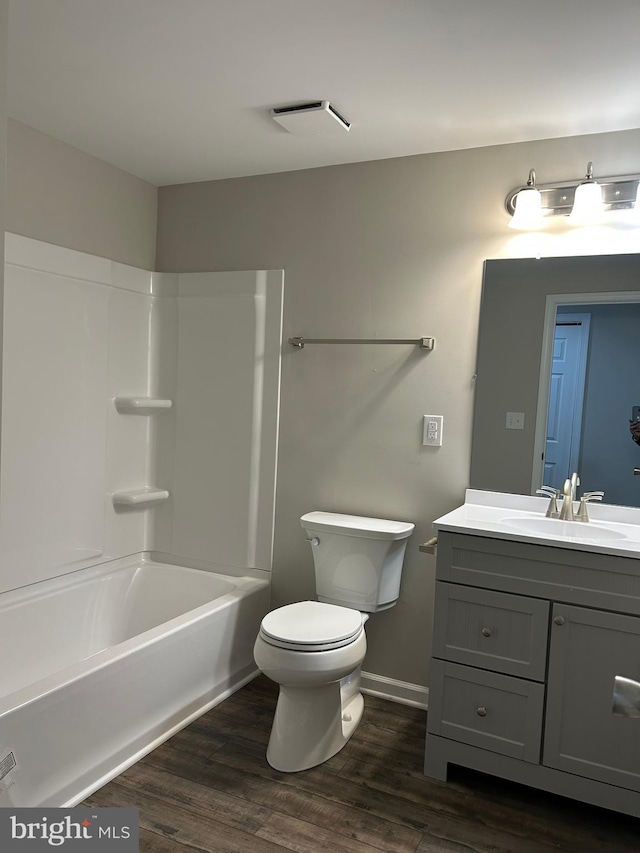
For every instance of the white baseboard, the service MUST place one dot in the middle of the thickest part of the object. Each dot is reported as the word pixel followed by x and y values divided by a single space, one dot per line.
pixel 402 692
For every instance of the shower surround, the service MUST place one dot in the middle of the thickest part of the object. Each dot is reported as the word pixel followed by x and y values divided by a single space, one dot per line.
pixel 139 424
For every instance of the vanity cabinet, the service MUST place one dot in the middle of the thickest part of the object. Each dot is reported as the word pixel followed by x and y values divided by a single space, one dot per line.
pixel 588 649
pixel 527 641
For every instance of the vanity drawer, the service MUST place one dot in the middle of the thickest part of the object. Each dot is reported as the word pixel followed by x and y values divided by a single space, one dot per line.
pixel 494 630
pixel 494 712
pixel 582 578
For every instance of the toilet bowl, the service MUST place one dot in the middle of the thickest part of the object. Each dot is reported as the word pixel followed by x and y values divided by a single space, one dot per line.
pixel 314 649
pixel 314 652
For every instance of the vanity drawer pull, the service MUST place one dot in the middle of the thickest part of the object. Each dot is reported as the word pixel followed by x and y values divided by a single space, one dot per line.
pixel 481 711
pixel 559 620
pixel 487 632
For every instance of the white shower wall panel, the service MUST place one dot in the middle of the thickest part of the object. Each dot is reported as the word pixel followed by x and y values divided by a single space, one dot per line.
pixel 214 428
pixel 53 426
pixel 229 334
pixel 128 446
pixel 163 384
pixel 81 331
pixel 76 334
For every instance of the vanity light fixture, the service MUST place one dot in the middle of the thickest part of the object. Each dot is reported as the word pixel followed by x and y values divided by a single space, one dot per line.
pixel 636 208
pixel 574 199
pixel 528 207
pixel 587 203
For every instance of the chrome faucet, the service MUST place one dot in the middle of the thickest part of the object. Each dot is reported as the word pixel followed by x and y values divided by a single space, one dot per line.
pixel 568 497
pixel 575 482
pixel 567 511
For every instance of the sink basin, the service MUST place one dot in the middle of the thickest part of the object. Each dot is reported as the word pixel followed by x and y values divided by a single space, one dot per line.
pixel 611 529
pixel 568 529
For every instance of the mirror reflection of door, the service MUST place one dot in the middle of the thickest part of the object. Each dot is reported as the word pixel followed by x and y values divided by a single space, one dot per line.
pixel 588 418
pixel 566 397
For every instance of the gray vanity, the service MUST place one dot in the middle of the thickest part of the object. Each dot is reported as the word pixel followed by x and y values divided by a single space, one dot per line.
pixel 533 622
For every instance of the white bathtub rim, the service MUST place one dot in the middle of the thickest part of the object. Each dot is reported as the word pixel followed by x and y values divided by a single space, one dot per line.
pixel 82 576
pixel 50 586
pixel 67 675
pixel 225 569
pixel 115 771
pixel 74 672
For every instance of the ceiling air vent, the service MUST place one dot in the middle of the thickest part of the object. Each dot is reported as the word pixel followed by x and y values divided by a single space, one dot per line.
pixel 317 118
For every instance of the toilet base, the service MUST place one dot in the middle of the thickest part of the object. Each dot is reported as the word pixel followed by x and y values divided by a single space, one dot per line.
pixel 313 723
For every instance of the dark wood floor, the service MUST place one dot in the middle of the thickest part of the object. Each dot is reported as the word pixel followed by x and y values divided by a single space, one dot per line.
pixel 210 788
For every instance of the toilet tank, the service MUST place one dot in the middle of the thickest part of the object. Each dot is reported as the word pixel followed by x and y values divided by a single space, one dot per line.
pixel 358 560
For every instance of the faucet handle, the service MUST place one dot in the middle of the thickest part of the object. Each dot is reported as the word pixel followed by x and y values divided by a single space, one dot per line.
pixel 583 514
pixel 552 494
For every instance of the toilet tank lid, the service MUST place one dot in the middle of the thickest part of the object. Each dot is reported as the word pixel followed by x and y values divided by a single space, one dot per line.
pixel 357 525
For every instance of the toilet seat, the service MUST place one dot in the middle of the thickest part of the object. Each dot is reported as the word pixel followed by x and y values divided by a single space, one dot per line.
pixel 311 626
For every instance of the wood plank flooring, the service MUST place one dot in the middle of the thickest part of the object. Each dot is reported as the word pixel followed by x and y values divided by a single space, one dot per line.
pixel 210 789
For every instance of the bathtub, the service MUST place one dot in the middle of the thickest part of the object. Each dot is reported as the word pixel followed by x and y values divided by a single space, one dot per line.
pixel 99 667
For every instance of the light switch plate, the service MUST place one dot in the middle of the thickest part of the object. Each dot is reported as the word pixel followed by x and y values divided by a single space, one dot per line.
pixel 515 420
pixel 432 430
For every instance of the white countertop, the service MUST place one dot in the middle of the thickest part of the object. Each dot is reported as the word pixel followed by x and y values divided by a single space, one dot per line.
pixel 498 514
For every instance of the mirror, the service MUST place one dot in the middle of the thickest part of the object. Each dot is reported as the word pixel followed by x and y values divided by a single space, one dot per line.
pixel 520 300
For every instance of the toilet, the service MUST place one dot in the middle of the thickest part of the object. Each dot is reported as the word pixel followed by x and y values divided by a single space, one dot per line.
pixel 314 649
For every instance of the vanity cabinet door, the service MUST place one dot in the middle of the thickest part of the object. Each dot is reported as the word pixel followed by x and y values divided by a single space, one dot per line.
pixel 582 735
pixel 493 630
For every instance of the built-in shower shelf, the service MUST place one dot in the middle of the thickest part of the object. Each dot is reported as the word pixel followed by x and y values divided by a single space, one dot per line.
pixel 139 497
pixel 142 405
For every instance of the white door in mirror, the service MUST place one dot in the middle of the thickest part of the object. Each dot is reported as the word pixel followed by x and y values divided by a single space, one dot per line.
pixel 432 430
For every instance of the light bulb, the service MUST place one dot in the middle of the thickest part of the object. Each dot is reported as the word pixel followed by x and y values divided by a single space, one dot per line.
pixel 587 204
pixel 635 213
pixel 528 210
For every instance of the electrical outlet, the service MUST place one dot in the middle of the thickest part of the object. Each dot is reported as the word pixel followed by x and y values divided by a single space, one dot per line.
pixel 432 430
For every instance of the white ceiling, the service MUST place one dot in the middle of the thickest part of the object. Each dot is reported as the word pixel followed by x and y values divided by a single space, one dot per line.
pixel 179 90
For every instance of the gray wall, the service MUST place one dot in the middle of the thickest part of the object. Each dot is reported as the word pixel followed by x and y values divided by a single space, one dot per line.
pixel 4 16
pixel 4 12
pixel 61 195
pixel 389 249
